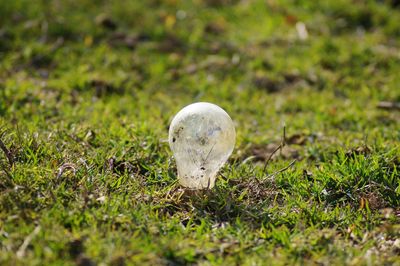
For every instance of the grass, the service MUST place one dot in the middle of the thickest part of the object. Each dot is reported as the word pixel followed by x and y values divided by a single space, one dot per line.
pixel 87 91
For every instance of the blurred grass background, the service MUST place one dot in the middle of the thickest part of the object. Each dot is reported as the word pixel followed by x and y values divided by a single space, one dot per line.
pixel 87 92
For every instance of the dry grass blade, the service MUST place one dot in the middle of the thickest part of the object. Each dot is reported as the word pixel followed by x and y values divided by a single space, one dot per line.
pixel 283 169
pixel 280 146
pixel 27 241
pixel 8 177
pixel 6 151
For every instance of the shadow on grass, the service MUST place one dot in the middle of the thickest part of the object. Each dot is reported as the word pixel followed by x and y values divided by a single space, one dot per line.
pixel 245 199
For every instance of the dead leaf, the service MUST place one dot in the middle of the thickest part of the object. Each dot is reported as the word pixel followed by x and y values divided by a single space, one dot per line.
pixel 105 21
pixel 121 39
pixel 216 27
pixel 374 201
pixel 171 43
pixel 298 139
pixel 291 19
pixel 292 77
pixel 263 152
pixel 267 84
pixel 364 150
pixel 120 166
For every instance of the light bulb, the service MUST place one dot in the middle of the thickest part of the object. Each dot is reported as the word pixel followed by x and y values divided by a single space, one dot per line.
pixel 201 137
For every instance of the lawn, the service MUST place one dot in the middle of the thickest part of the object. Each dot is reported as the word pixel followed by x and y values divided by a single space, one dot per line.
pixel 88 90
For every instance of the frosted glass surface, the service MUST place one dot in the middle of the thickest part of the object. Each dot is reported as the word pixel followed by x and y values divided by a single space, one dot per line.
pixel 201 137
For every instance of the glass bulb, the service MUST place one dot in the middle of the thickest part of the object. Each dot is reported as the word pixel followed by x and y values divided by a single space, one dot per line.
pixel 201 137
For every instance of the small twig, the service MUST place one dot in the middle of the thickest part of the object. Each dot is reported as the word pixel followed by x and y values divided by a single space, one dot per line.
pixel 270 157
pixel 64 167
pixel 280 146
pixel 284 136
pixel 6 150
pixel 282 170
pixel 27 241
